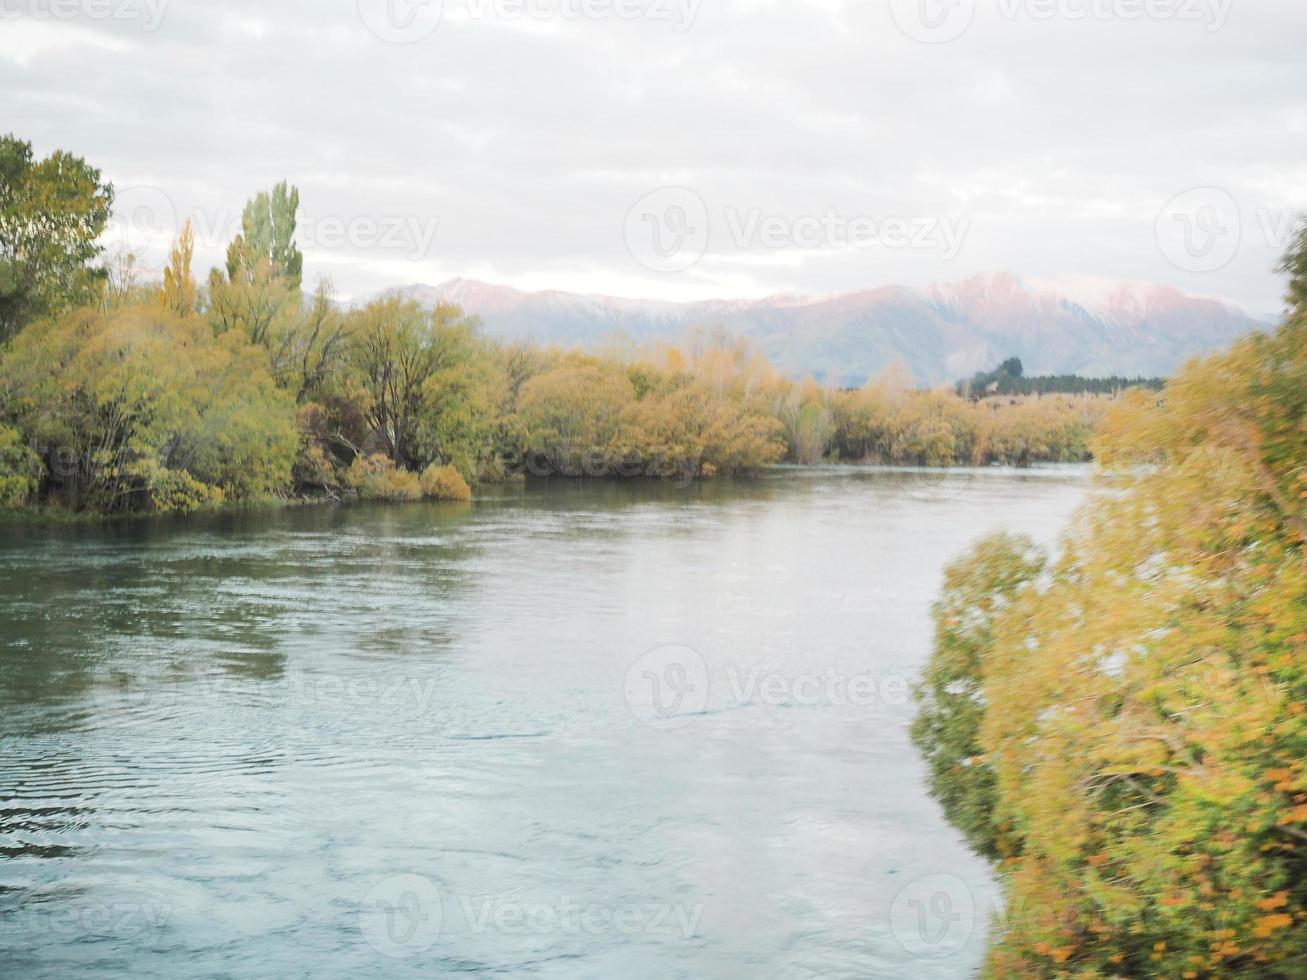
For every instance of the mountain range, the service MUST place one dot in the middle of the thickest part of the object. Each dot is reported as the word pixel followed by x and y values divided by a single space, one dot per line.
pixel 941 333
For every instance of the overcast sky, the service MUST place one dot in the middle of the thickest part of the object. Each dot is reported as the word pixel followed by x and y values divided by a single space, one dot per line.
pixel 693 148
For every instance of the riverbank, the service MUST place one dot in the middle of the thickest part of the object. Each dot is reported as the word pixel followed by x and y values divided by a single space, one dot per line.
pixel 54 515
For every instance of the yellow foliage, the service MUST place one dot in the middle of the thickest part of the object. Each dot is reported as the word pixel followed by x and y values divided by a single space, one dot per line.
pixel 444 483
pixel 376 477
pixel 1142 707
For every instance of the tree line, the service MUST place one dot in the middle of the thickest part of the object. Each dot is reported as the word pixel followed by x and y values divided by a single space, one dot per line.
pixel 1122 727
pixel 121 395
pixel 1009 378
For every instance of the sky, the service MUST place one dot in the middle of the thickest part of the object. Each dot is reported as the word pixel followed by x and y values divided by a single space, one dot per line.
pixel 691 149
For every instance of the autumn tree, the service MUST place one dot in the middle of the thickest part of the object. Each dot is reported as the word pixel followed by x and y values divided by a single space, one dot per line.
pixel 258 290
pixel 138 409
pixel 1145 708
pixel 978 590
pixel 809 423
pixel 178 290
pixel 572 412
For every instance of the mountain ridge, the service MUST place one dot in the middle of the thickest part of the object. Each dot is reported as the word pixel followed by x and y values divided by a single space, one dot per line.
pixel 941 332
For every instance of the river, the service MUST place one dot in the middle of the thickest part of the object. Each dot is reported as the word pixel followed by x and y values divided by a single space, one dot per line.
pixel 569 730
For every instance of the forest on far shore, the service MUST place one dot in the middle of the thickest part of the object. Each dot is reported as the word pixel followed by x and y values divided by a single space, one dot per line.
pixel 243 384
pixel 1009 378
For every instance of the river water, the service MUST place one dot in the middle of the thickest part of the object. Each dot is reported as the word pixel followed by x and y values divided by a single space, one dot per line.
pixel 570 730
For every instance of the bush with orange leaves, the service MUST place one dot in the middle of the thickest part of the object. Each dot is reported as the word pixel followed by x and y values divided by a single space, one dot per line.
pixel 1135 729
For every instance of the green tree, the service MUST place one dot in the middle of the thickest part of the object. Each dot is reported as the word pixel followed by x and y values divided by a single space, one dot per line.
pixel 52 212
pixel 258 292
pixel 412 365
pixel 252 299
pixel 978 589
pixel 307 346
pixel 268 232
pixel 1294 265
pixel 20 469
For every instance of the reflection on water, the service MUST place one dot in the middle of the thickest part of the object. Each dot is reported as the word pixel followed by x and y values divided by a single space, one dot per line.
pixel 574 729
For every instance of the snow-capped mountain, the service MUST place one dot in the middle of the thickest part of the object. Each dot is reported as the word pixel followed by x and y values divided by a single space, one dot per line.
pixel 944 332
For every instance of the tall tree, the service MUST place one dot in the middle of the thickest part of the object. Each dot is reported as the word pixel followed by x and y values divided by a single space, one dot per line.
pixel 268 232
pixel 178 291
pixel 52 212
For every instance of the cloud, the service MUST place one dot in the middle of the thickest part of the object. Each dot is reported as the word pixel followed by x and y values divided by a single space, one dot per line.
pixel 526 130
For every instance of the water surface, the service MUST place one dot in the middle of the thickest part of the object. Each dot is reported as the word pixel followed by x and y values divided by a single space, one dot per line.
pixel 578 730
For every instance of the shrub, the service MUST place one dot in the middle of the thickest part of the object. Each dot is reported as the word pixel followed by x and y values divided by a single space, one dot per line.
pixel 20 469
pixel 150 410
pixel 376 477
pixel 444 483
pixel 1134 725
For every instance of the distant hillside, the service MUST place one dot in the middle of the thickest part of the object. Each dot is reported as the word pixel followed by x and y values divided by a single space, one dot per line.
pixel 942 333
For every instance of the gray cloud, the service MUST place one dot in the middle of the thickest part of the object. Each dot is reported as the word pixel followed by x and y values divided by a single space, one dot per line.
pixel 1058 129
